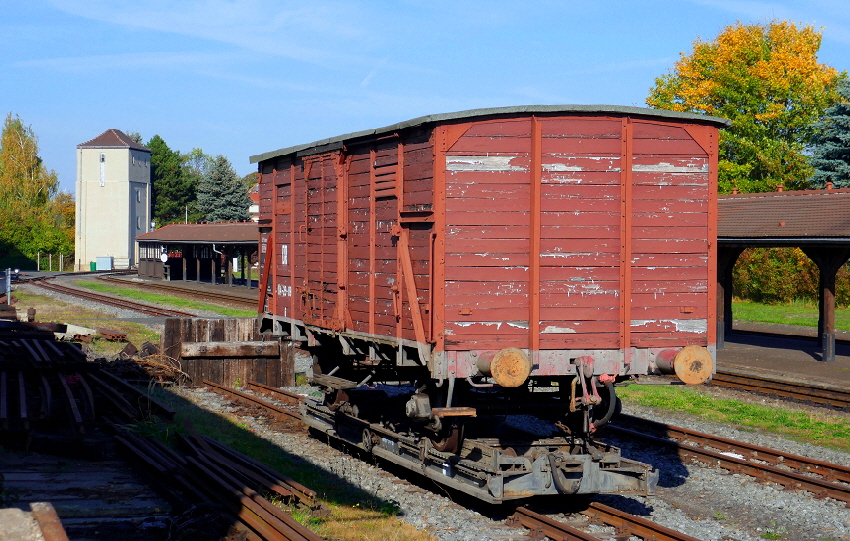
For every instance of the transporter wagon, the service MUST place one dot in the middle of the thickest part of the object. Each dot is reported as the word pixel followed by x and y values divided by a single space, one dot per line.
pixel 493 263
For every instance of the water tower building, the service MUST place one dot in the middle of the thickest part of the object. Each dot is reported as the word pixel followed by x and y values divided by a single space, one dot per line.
pixel 113 200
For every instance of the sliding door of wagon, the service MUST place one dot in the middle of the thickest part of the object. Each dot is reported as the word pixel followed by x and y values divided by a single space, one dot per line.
pixel 580 236
pixel 672 193
pixel 487 229
pixel 319 235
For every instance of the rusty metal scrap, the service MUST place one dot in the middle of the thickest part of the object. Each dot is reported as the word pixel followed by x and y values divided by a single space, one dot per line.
pixel 209 473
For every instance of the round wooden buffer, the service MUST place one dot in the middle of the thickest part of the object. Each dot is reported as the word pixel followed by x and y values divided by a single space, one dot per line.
pixel 509 367
pixel 693 365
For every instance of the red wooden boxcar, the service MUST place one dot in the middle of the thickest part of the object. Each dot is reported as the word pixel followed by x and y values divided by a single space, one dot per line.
pixel 528 256
pixel 566 232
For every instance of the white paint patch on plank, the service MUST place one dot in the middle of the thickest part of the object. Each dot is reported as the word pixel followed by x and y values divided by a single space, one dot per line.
pixel 551 329
pixel 665 167
pixel 482 163
pixel 561 167
pixel 681 325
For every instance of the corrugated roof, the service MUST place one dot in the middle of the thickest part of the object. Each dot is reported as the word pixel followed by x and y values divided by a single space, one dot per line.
pixel 530 109
pixel 113 138
pixel 806 214
pixel 225 233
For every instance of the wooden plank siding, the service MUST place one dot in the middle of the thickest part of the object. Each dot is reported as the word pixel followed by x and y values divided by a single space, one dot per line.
pixel 346 273
pixel 488 261
pixel 581 231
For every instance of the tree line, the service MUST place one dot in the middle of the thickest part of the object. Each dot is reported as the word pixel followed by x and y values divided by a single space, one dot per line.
pixel 195 187
pixel 790 127
pixel 36 217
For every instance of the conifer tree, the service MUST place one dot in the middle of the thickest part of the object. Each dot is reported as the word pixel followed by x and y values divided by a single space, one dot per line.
pixel 171 191
pixel 221 194
pixel 831 153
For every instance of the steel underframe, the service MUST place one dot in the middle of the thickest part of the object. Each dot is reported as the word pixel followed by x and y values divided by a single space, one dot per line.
pixel 497 476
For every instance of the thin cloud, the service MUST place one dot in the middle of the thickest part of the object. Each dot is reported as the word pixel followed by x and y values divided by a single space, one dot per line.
pixel 128 61
pixel 326 33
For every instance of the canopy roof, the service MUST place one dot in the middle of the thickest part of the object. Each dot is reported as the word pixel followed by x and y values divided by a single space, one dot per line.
pixel 205 233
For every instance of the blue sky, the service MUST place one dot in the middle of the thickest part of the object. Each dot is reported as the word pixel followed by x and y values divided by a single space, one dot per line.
pixel 245 77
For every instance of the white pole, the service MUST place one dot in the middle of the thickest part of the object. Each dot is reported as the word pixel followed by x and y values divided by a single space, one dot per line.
pixel 38 261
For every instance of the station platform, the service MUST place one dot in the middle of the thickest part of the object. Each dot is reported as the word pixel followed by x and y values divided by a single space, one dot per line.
pixel 786 352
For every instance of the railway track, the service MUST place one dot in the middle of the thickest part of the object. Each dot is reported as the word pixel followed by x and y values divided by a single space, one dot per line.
pixel 624 523
pixel 793 472
pixel 146 309
pixel 270 409
pixel 820 395
pixel 51 398
pixel 237 300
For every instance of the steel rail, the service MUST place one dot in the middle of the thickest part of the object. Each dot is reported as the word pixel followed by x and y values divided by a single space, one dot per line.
pixel 820 487
pixel 551 528
pixel 280 394
pixel 112 301
pixel 802 464
pixel 634 525
pixel 196 293
pixel 820 395
pixel 625 524
pixel 274 411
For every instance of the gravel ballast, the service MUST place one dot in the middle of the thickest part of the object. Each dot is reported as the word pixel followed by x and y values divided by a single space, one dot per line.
pixel 706 503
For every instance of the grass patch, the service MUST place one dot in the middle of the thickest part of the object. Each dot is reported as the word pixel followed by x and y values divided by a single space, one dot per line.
pixel 816 428
pixel 177 302
pixel 354 514
pixel 795 313
pixel 49 309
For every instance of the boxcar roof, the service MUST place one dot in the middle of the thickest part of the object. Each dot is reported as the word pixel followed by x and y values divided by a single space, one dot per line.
pixel 471 113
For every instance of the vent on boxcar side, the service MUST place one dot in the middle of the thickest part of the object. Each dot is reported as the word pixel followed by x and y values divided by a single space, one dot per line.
pixel 385 167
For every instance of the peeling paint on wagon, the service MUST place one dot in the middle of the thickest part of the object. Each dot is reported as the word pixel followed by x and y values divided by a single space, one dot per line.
pixel 557 330
pixel 680 325
pixel 483 163
pixel 639 183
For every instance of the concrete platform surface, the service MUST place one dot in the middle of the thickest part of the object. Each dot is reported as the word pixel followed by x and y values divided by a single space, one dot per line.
pixel 785 351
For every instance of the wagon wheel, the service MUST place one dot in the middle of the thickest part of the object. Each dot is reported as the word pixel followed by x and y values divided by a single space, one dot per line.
pixel 451 442
pixel 369 438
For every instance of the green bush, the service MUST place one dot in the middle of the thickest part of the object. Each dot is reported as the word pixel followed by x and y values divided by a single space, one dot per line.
pixel 783 275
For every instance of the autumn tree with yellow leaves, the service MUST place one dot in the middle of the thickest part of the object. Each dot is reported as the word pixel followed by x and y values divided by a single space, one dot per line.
pixel 766 79
pixel 34 215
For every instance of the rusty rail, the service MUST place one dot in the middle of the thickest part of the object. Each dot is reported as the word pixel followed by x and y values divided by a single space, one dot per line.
pixel 543 525
pixel 272 410
pixel 838 398
pixel 111 301
pixel 625 524
pixel 279 394
pixel 802 464
pixel 821 487
pixel 250 304
pixel 634 525
pixel 212 471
